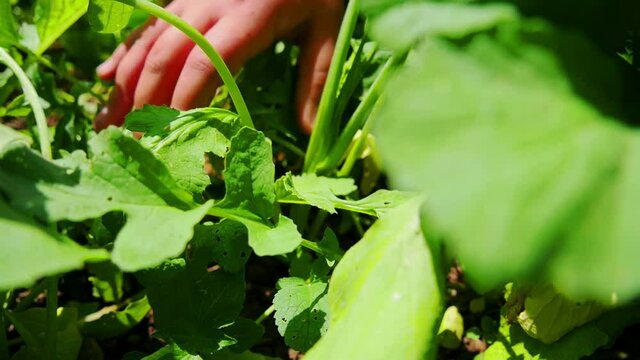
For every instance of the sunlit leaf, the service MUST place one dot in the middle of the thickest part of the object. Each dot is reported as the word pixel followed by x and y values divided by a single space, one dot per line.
pixel 108 16
pixel 301 312
pixel 386 281
pixel 54 17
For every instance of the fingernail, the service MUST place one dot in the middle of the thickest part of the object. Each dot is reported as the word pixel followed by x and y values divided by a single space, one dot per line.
pixel 100 122
pixel 104 67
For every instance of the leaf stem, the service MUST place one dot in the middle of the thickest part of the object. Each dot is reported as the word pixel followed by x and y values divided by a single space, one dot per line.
pixel 313 246
pixel 4 344
pixel 325 125
pixel 360 116
pixel 316 226
pixel 266 314
pixel 52 315
pixel 207 48
pixel 356 151
pixel 34 101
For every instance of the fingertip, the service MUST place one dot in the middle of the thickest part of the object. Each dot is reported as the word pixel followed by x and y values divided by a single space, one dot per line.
pixel 307 110
pixel 113 113
pixel 106 70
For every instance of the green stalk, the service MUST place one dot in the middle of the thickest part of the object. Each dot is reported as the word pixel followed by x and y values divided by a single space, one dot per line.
pixel 207 48
pixel 4 344
pixel 52 316
pixel 266 314
pixel 356 151
pixel 34 101
pixel 313 246
pixel 325 126
pixel 360 116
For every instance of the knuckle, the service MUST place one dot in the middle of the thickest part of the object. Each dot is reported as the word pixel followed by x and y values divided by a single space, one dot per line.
pixel 157 61
pixel 200 63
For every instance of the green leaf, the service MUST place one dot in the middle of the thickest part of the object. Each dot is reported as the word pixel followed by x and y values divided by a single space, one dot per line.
pixel 323 193
pixel 215 300
pixel 510 154
pixel 108 16
pixel 249 177
pixel 151 120
pixel 402 26
pixel 272 240
pixel 513 342
pixel 247 355
pixel 385 281
pixel 547 315
pixel 225 242
pixel 301 312
pixel 120 176
pixel 250 195
pixel 330 247
pixel 111 322
pixel 451 328
pixel 607 236
pixel 172 352
pixel 54 17
pixel 8 33
pixel 181 140
pixel 28 252
pixel 8 136
pixel 245 332
pixel 107 281
pixel 31 324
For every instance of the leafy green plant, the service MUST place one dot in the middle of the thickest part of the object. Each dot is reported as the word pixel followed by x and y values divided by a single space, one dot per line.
pixel 211 237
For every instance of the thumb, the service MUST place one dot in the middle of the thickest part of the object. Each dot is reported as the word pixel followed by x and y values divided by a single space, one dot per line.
pixel 314 61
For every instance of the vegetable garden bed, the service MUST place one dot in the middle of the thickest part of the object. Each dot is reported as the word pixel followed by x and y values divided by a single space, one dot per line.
pixel 470 190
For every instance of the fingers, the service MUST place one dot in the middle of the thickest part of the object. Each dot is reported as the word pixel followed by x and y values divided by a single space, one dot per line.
pixel 127 65
pixel 164 62
pixel 107 70
pixel 236 40
pixel 314 61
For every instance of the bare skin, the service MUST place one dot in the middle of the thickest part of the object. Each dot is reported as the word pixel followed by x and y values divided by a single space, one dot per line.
pixel 159 65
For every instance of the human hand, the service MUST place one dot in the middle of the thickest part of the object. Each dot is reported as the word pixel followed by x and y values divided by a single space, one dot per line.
pixel 159 65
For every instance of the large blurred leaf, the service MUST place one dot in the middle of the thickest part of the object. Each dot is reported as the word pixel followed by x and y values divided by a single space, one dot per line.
pixel 54 17
pixel 8 32
pixel 301 312
pixel 600 257
pixel 511 153
pixel 402 26
pixel 29 252
pixel 108 16
pixel 384 298
pixel 121 175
